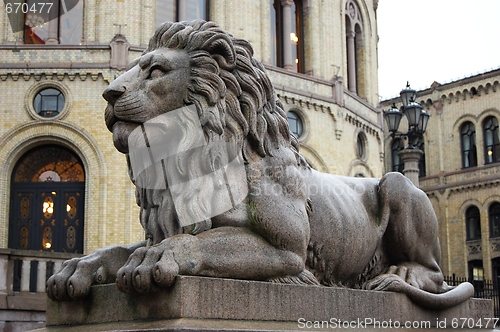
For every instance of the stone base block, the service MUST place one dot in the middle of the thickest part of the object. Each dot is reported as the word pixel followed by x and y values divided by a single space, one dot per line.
pixel 234 304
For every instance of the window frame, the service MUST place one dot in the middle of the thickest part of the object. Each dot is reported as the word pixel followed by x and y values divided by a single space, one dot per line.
pixel 60 31
pixel 492 131
pixel 278 39
pixel 472 214
pixel 470 153
pixel 394 154
pixel 494 215
pixel 361 146
pixel 39 105
pixel 298 120
pixel 29 99
pixel 176 17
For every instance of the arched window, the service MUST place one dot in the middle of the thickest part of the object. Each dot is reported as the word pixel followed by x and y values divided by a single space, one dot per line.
pixel 66 27
pixel 295 123
pixel 361 145
pixel 491 140
pixel 355 48
pixel 494 218
pixel 473 223
pixel 468 144
pixel 287 44
pixel 47 201
pixel 181 10
pixel 396 146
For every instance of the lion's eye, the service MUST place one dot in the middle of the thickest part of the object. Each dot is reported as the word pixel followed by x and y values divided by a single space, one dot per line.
pixel 155 72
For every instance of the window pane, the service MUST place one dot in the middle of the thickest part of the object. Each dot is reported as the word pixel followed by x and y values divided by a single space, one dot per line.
pixel 48 102
pixel 468 142
pixel 295 123
pixel 397 165
pixel 197 9
pixel 494 216
pixel 473 223
pixel 274 51
pixel 491 140
pixel 165 11
pixel 70 24
pixel 34 31
pixel 293 39
pixel 361 146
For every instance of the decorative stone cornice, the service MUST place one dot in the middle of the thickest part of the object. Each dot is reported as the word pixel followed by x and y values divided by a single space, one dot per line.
pixel 55 75
pixel 459 90
pixel 464 186
pixel 304 103
pixel 365 126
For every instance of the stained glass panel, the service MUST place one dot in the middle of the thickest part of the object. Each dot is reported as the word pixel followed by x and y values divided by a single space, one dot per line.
pixel 24 237
pixel 49 164
pixel 48 207
pixel 71 237
pixel 25 207
pixel 47 237
pixel 71 207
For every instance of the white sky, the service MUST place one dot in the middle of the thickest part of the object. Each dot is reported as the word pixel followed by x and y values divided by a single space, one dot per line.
pixel 422 41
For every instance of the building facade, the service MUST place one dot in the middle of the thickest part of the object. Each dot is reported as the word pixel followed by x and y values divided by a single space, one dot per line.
pixel 460 171
pixel 65 190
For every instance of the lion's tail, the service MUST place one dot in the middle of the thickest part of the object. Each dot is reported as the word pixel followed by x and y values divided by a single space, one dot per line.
pixel 451 298
pixel 303 278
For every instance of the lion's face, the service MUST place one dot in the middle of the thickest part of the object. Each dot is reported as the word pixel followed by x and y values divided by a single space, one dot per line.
pixel 156 83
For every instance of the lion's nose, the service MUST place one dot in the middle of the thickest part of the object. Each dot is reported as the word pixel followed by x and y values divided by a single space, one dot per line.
pixel 113 92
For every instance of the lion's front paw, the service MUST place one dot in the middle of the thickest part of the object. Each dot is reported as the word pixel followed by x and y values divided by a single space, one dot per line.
pixel 147 269
pixel 78 274
pixel 75 279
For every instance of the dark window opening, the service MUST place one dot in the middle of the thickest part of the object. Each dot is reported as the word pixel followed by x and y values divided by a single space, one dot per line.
pixel 473 223
pixel 491 140
pixel 494 219
pixel 468 143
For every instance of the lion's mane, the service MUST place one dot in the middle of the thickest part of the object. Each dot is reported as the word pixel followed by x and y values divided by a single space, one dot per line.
pixel 235 101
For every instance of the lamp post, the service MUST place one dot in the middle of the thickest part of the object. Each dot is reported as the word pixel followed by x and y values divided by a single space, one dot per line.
pixel 417 123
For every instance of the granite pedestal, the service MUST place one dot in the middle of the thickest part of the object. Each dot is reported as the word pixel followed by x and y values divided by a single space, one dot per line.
pixel 209 304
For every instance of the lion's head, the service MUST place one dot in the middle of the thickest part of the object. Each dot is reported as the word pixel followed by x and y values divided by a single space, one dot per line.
pixel 198 63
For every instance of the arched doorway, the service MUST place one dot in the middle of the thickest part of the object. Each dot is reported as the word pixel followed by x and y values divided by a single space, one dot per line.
pixel 47 201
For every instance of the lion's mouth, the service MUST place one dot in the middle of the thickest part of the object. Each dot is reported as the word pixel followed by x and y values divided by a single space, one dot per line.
pixel 121 132
pixel 121 129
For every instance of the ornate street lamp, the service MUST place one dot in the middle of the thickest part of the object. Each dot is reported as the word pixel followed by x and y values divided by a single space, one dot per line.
pixel 415 114
pixel 417 124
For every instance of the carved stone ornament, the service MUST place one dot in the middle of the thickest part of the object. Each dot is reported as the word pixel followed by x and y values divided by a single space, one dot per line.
pixel 197 112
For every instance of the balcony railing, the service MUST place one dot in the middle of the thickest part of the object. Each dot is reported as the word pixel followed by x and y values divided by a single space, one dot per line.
pixel 23 274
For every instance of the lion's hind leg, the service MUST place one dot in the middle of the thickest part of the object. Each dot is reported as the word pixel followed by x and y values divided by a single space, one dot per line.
pixel 410 242
pixel 410 273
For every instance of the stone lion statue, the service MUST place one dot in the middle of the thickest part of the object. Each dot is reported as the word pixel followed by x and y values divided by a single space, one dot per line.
pixel 294 225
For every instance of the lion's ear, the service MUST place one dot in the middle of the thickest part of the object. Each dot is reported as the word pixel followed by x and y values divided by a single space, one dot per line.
pixel 222 50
